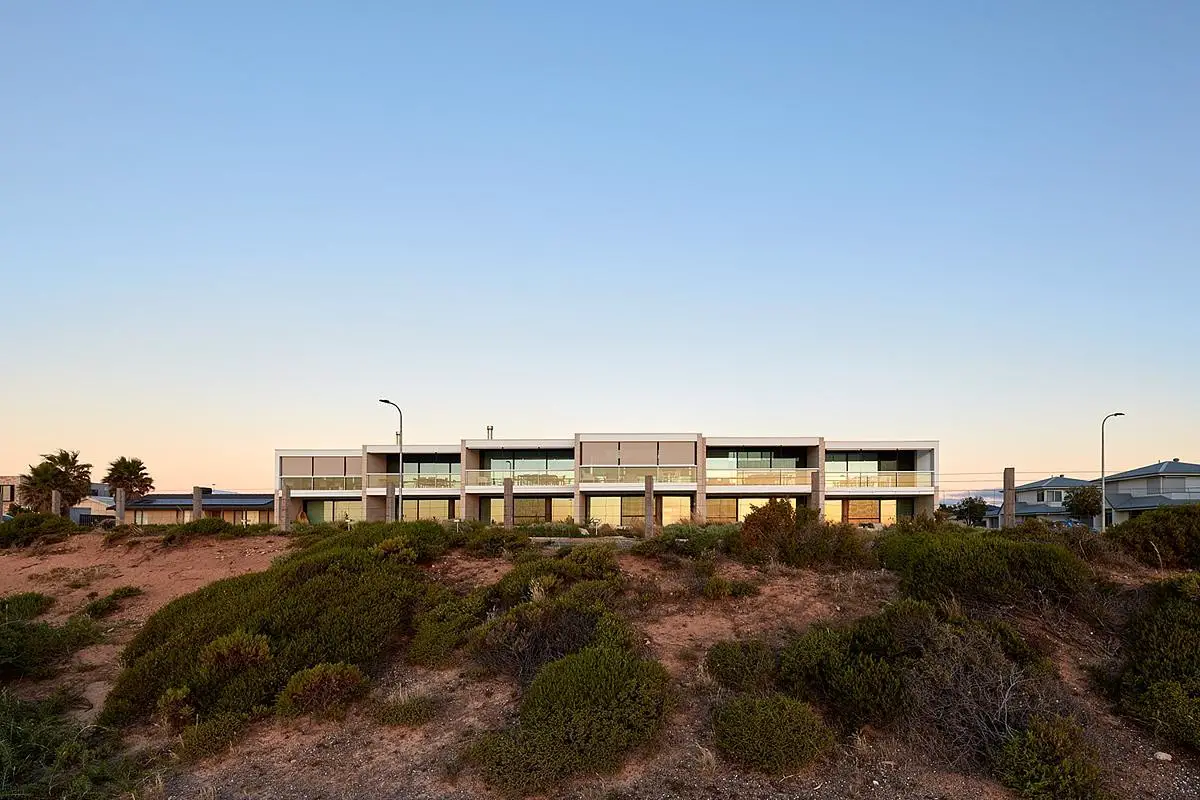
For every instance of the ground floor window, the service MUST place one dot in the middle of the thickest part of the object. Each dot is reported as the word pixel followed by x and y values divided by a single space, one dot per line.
pixel 335 512
pixel 428 508
pixel 870 512
pixel 673 508
pixel 528 510
pixel 735 509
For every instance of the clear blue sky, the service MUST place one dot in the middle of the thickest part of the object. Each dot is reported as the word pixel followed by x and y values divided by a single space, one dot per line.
pixel 230 227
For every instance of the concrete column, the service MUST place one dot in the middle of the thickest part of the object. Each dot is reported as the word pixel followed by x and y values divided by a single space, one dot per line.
pixel 649 505
pixel 700 512
pixel 55 502
pixel 820 480
pixel 468 461
pixel 120 506
pixel 389 504
pixel 197 503
pixel 1008 513
pixel 581 518
pixel 510 509
pixel 816 492
pixel 284 517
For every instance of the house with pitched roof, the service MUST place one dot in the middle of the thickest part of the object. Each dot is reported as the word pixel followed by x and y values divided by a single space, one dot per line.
pixel 1043 499
pixel 1135 491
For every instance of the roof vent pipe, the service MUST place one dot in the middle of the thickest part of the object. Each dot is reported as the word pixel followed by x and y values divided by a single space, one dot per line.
pixel 489 429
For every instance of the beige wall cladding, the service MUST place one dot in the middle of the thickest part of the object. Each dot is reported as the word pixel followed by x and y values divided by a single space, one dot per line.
pixel 639 452
pixel 354 465
pixel 676 452
pixel 296 465
pixel 599 453
pixel 329 465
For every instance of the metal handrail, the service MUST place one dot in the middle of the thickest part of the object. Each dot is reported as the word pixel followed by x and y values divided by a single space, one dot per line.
pixel 637 473
pixel 766 476
pixel 902 479
pixel 521 477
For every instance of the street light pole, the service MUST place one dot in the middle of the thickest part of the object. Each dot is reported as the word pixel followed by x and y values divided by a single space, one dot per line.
pixel 1103 490
pixel 400 451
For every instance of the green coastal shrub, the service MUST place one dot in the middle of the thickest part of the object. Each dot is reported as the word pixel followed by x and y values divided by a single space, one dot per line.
pixel 582 713
pixel 1159 679
pixel 31 649
pixel 1167 537
pixel 206 526
pixel 235 643
pixel 772 733
pixel 24 606
pixel 533 634
pixel 406 712
pixel 747 666
pixel 689 540
pixel 323 689
pixel 858 671
pixel 1050 760
pixel 104 606
pixel 443 624
pixel 46 756
pixel 494 541
pixel 977 568
pixel 212 736
pixel 25 529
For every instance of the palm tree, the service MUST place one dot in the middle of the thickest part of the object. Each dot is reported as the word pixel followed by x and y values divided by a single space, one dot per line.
pixel 129 474
pixel 62 471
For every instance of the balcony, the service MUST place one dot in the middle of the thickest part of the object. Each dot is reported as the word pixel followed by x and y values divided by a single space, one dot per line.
pixel 414 480
pixel 878 480
pixel 634 473
pixel 524 477
pixel 322 483
pixel 759 477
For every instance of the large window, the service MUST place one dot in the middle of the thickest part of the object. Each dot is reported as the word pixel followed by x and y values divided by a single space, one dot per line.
pixel 333 511
pixel 674 508
pixel 633 510
pixel 721 510
pixel 833 511
pixel 869 512
pixel 605 510
pixel 527 460
pixel 562 509
pixel 722 458
pixel 428 508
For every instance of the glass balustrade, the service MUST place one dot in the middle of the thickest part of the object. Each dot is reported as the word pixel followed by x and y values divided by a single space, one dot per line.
pixel 758 477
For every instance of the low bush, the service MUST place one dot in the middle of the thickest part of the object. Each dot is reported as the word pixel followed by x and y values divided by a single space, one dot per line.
pixel 31 649
pixel 771 733
pixel 46 756
pixel 24 606
pixel 716 588
pixel 235 643
pixel 323 689
pixel 213 735
pixel 1079 539
pixel 1159 677
pixel 689 540
pixel 582 713
pixel 533 634
pixel 103 606
pixel 494 541
pixel 206 526
pixel 443 624
pixel 858 671
pixel 822 545
pixel 1164 537
pixel 562 530
pixel 25 529
pixel 1050 760
pixel 408 712
pixel 977 568
pixel 742 666
pixel 545 575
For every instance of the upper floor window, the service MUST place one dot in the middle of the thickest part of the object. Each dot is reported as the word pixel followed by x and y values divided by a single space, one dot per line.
pixel 1050 496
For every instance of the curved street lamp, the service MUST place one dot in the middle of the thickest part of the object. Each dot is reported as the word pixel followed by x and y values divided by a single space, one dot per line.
pixel 400 452
pixel 1103 491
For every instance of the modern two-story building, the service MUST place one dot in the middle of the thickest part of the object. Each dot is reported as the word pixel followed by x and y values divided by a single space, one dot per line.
pixel 601 477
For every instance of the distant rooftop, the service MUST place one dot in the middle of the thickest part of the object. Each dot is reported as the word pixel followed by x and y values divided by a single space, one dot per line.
pixel 1174 467
pixel 1055 482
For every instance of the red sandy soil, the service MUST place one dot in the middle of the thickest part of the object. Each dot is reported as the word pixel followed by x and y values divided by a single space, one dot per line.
pixel 357 758
pixel 83 568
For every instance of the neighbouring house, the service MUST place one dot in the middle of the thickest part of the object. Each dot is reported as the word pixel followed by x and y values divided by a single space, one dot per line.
pixel 8 491
pixel 172 509
pixel 603 477
pixel 93 510
pixel 1135 491
pixel 1042 500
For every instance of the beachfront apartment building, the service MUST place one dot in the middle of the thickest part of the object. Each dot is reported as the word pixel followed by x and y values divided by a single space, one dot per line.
pixel 602 477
